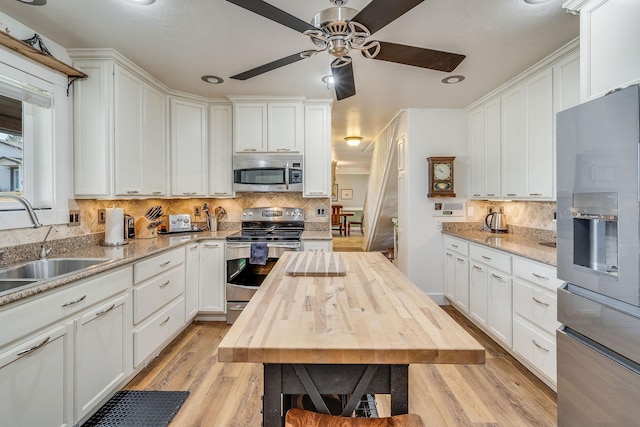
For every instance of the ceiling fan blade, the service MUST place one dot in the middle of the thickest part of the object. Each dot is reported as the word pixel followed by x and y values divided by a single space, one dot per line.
pixel 379 13
pixel 343 81
pixel 419 57
pixel 270 66
pixel 271 12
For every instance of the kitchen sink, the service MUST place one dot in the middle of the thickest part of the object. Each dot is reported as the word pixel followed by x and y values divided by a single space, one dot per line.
pixel 7 285
pixel 47 268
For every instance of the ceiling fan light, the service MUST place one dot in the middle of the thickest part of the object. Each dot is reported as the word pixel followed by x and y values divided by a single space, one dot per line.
pixel 452 80
pixel 353 141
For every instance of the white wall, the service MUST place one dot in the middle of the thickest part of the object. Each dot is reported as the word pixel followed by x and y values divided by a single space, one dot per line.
pixel 430 132
pixel 356 182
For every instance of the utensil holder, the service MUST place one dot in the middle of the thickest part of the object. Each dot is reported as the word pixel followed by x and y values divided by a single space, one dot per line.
pixel 143 231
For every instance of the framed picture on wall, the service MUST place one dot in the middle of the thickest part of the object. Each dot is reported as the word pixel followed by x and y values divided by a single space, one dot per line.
pixel 346 194
pixel 334 193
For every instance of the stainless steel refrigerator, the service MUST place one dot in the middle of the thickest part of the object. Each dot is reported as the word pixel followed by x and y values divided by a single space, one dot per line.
pixel 598 258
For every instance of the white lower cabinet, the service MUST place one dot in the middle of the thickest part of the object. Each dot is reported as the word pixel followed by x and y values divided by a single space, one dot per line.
pixel 191 280
pixel 456 272
pixel 212 278
pixel 36 387
pixel 500 322
pixel 103 352
pixel 149 336
pixel 479 293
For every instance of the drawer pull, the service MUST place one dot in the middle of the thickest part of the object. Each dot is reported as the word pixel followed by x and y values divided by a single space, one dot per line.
pixel 488 258
pixel 236 308
pixel 132 192
pixel 34 348
pixel 461 259
pixel 67 304
pixel 511 194
pixel 540 302
pixel 539 276
pixel 249 149
pixel 193 247
pixel 105 311
pixel 497 277
pixel 454 246
pixel 156 193
pixel 491 194
pixel 477 267
pixel 211 246
pixel 164 322
pixel 283 149
pixel 476 195
pixel 449 255
pixel 164 285
pixel 535 194
pixel 164 264
pixel 539 346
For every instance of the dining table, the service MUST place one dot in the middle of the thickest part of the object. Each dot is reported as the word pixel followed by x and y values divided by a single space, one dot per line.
pixel 344 216
pixel 346 323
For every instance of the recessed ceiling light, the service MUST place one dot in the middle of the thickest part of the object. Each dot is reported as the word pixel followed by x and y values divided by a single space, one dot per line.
pixel 353 141
pixel 34 2
pixel 141 1
pixel 214 80
pixel 452 80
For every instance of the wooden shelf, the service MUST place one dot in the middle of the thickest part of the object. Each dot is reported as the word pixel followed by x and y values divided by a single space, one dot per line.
pixel 39 56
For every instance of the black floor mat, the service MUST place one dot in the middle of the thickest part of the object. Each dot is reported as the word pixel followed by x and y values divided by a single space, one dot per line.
pixel 130 408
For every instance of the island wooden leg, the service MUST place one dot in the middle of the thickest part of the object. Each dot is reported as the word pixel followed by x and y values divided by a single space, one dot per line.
pixel 272 398
pixel 399 389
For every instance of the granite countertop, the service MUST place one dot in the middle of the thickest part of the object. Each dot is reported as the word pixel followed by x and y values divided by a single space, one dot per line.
pixel 119 256
pixel 523 245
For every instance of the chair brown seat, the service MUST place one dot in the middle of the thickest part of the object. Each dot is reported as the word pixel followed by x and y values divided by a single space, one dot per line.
pixel 302 418
pixel 336 219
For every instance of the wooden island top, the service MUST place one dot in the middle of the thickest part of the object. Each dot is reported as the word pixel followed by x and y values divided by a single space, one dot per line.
pixel 371 315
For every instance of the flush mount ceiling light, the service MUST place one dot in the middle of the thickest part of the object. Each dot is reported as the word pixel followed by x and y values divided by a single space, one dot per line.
pixel 535 1
pixel 141 1
pixel 214 80
pixel 353 141
pixel 452 80
pixel 34 2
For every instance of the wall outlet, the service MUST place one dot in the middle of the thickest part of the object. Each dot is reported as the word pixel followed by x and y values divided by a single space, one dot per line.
pixel 321 212
pixel 74 218
pixel 197 210
pixel 102 216
pixel 489 209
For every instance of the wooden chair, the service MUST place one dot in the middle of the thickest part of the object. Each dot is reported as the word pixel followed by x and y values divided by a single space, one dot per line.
pixel 336 219
pixel 359 222
pixel 303 418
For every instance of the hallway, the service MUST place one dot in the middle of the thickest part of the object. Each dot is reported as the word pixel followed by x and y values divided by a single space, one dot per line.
pixel 353 243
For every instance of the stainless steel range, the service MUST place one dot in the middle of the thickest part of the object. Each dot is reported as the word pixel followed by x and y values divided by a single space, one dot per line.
pixel 252 252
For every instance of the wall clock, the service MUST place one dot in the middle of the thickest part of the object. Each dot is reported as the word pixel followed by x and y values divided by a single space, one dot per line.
pixel 441 177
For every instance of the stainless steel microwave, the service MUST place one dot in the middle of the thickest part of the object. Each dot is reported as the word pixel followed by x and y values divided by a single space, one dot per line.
pixel 267 173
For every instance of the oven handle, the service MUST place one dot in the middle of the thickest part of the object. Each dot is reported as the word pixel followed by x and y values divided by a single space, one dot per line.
pixel 295 246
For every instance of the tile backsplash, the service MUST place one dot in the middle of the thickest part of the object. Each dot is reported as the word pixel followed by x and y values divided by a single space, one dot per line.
pixel 523 214
pixel 138 207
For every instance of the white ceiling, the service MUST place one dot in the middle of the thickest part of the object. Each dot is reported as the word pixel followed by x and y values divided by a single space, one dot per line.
pixel 178 41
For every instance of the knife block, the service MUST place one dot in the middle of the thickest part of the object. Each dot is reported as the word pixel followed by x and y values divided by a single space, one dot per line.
pixel 143 231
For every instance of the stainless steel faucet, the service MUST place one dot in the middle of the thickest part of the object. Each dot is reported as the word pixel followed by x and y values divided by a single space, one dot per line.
pixel 43 249
pixel 27 206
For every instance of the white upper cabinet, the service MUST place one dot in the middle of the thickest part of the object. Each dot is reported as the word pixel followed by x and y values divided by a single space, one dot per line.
pixel 484 138
pixel 188 147
pixel 268 126
pixel 317 149
pixel 220 151
pixel 609 54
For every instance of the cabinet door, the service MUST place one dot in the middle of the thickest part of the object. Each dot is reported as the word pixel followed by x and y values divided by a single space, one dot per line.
pixel 188 148
pixel 285 127
pixel 103 352
pixel 500 311
pixel 154 143
pixel 250 127
pixel 513 143
pixel 212 277
pixel 220 151
pixel 477 147
pixel 540 151
pixel 449 275
pixel 37 387
pixel 478 293
pixel 493 157
pixel 192 268
pixel 93 130
pixel 317 150
pixel 462 282
pixel 128 119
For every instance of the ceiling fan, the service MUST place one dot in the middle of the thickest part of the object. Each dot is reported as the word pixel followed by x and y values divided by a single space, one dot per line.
pixel 339 30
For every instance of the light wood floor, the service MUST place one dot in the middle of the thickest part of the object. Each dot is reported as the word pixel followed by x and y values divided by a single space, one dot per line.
pixel 353 243
pixel 499 393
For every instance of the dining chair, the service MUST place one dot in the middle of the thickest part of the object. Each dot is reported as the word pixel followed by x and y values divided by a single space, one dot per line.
pixel 302 418
pixel 336 219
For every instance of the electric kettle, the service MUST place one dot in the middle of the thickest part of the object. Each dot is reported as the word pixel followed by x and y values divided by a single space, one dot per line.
pixel 496 222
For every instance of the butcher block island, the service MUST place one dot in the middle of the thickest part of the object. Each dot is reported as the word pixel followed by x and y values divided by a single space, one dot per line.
pixel 349 334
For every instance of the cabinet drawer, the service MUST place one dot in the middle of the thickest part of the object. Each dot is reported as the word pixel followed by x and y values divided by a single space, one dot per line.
pixel 537 273
pixel 456 245
pixel 35 313
pixel 151 295
pixel 155 331
pixel 491 258
pixel 538 305
pixel 159 263
pixel 535 346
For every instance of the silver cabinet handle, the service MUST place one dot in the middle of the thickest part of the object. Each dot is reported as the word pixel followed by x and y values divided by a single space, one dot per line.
pixel 209 245
pixel 539 276
pixel 193 247
pixel 449 255
pixel 66 304
pixel 535 194
pixel 455 246
pixel 249 149
pixel 132 192
pixel 283 149
pixel 190 194
pixel 539 346
pixel 491 194
pixel 34 348
pixel 486 257
pixel 220 192
pixel 164 285
pixel 156 192
pixel 511 194
pixel 497 277
pixel 236 308
pixel 461 259
pixel 476 267
pixel 105 311
pixel 476 195
pixel 165 321
pixel 164 264
pixel 540 302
